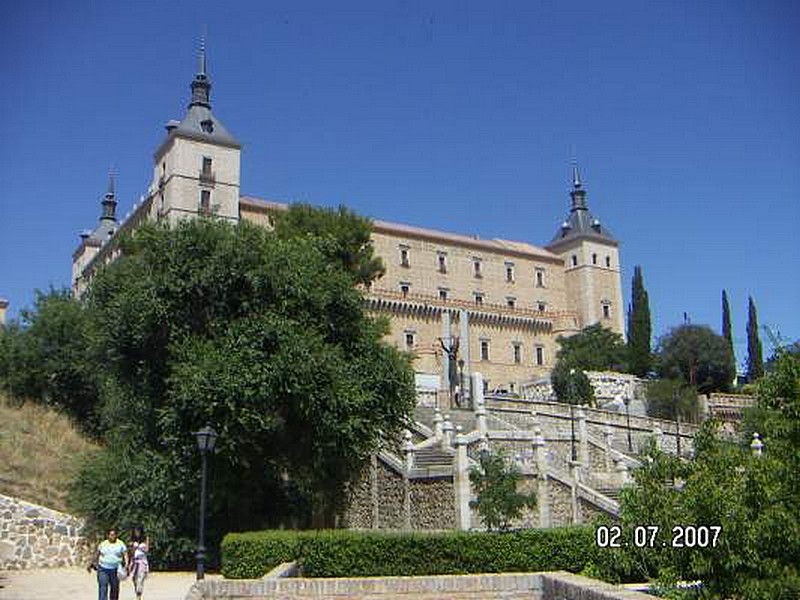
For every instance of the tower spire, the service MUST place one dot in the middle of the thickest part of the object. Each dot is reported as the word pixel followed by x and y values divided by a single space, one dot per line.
pixel 201 84
pixel 578 194
pixel 110 199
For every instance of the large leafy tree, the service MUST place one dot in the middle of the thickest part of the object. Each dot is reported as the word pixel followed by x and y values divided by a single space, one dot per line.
pixel 698 356
pixel 43 357
pixel 755 358
pixel 595 348
pixel 752 498
pixel 498 499
pixel 263 337
pixel 640 359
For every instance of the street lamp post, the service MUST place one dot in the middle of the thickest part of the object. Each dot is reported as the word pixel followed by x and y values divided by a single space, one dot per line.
pixel 627 402
pixel 206 438
pixel 572 413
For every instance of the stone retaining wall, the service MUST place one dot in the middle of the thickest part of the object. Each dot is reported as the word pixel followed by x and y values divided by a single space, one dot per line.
pixel 32 536
pixel 531 586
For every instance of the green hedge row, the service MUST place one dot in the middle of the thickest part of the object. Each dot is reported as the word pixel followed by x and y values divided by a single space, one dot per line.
pixel 343 553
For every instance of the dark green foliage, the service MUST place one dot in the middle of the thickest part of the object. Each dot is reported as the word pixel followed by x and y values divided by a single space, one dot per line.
pixel 571 386
pixel 640 359
pixel 727 329
pixel 496 482
pixel 698 356
pixel 264 338
pixel 668 398
pixel 44 357
pixel 369 554
pixel 753 498
pixel 755 359
pixel 341 235
pixel 595 348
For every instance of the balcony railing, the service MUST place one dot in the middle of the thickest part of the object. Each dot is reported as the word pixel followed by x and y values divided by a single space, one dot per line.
pixel 207 177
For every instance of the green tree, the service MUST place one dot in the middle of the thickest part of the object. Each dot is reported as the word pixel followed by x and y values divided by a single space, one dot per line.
pixel 44 357
pixel 571 386
pixel 752 498
pixel 341 235
pixel 265 338
pixel 668 398
pixel 640 359
pixel 727 330
pixel 496 482
pixel 755 360
pixel 698 356
pixel 595 348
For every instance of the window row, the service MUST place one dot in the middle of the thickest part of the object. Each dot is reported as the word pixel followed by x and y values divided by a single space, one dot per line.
pixel 478 297
pixel 516 349
pixel 574 260
pixel 477 266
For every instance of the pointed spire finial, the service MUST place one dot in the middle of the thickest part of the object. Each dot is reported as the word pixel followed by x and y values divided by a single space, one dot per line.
pixel 111 189
pixel 576 175
pixel 202 58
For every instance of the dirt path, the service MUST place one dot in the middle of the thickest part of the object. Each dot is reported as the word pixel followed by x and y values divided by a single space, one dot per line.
pixel 76 584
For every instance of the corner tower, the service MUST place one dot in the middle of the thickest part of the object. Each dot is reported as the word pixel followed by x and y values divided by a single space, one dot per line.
pixel 591 263
pixel 196 167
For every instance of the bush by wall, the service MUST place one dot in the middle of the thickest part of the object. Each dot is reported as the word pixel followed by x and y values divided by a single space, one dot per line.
pixel 342 553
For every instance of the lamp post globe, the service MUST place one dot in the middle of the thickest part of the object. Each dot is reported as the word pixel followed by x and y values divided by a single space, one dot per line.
pixel 206 440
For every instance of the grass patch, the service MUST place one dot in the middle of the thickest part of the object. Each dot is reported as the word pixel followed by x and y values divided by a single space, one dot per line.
pixel 40 449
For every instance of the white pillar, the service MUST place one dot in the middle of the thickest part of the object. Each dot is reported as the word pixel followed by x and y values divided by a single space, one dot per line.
pixel 659 437
pixel 542 483
pixel 608 434
pixel 437 422
pixel 477 389
pixel 447 432
pixel 461 486
pixel 583 439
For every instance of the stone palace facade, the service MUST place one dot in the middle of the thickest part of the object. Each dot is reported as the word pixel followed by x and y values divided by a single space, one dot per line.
pixel 461 304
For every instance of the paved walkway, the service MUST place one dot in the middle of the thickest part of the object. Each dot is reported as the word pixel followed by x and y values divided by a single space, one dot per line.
pixel 74 583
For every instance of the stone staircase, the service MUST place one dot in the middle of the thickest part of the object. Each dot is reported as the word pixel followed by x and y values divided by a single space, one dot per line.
pixel 432 458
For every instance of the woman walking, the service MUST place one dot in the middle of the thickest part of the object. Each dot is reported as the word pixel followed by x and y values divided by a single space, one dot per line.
pixel 137 555
pixel 109 557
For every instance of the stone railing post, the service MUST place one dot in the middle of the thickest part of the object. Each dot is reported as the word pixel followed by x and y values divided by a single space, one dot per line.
pixel 757 446
pixel 408 451
pixel 437 423
pixel 608 436
pixel 480 419
pixel 542 482
pixel 623 476
pixel 461 487
pixel 447 432
pixel 477 389
pixel 658 435
pixel 583 439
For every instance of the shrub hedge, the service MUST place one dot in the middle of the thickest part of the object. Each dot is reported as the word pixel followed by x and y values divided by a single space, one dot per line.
pixel 343 553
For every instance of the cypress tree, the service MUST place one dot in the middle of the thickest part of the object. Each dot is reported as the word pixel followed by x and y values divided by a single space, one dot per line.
pixel 727 330
pixel 755 361
pixel 639 328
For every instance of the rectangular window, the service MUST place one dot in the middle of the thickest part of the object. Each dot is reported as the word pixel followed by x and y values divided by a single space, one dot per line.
pixel 606 311
pixel 541 306
pixel 574 260
pixel 205 202
pixel 517 353
pixel 539 277
pixel 206 165
pixel 476 267
pixel 409 340
pixel 484 349
pixel 442 258
pixel 608 262
pixel 478 298
pixel 404 288
pixel 442 293
pixel 510 272
pixel 539 355
pixel 511 302
pixel 404 256
pixel 594 258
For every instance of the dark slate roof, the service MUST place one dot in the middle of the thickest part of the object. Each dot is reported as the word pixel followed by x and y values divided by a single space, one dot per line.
pixel 104 230
pixel 201 124
pixel 581 223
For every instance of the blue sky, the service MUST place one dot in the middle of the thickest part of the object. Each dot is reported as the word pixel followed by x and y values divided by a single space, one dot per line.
pixel 460 116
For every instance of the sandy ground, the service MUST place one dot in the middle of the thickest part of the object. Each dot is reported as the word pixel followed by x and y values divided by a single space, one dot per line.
pixel 76 584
